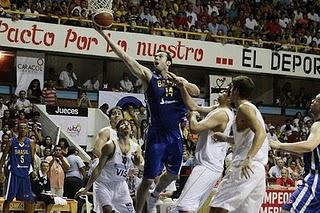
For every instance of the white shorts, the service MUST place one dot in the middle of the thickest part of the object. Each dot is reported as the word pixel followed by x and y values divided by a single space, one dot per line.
pixel 198 188
pixel 242 195
pixel 115 194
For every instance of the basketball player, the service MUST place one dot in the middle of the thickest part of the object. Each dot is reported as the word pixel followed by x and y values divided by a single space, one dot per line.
pixel 209 154
pixel 104 135
pixel 21 155
pixel 243 188
pixel 117 157
pixel 305 198
pixel 164 145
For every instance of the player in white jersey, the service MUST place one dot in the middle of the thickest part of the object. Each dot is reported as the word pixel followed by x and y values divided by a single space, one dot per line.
pixel 209 153
pixel 243 188
pixel 117 157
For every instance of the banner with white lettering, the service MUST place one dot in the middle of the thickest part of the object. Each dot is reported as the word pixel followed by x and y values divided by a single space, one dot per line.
pixel 72 120
pixel 29 69
pixel 274 200
pixel 78 40
pixel 124 99
pixel 217 82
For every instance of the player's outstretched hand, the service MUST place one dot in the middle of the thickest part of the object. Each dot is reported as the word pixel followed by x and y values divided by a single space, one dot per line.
pixel 274 144
pixel 81 192
pixel 246 170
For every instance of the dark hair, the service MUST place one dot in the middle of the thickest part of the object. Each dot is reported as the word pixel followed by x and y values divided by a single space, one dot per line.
pixel 120 122
pixel 66 144
pixel 4 134
pixel 114 108
pixel 104 108
pixel 245 86
pixel 169 58
pixel 72 150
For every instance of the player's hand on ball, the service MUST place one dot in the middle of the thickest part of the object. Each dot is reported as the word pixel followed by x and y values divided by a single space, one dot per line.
pixel 81 192
pixel 275 144
pixel 246 170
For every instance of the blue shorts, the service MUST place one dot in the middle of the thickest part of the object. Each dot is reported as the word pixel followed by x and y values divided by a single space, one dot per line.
pixel 19 188
pixel 163 148
pixel 307 196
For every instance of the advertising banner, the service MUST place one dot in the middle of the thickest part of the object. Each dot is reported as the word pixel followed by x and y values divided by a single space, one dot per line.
pixel 28 69
pixel 79 40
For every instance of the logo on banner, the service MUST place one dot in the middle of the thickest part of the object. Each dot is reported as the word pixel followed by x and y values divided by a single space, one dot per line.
pixel 32 68
pixel 74 130
pixel 67 111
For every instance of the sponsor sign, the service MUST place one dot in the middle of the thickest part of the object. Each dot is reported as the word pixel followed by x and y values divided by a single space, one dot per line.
pixel 72 120
pixel 28 69
pixel 67 111
pixel 77 40
pixel 217 82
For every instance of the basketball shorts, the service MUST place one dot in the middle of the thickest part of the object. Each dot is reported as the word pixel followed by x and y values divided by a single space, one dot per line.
pixel 163 148
pixel 306 197
pixel 115 194
pixel 197 188
pixel 19 188
pixel 241 195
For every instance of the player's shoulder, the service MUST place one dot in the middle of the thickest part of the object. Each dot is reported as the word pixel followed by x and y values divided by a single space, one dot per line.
pixel 104 130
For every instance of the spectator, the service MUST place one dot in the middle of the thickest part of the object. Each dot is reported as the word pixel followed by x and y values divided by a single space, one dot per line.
pixel 7 120
pixel 130 113
pixel 104 108
pixel 92 84
pixel 141 115
pixel 68 78
pixel 287 127
pixel 3 107
pixel 58 165
pixel 84 101
pixel 285 179
pixel 49 94
pixel 34 91
pixel 63 143
pixel 271 134
pixel 5 4
pixel 23 103
pixel 275 171
pixel 251 24
pixel 125 84
pixel 75 174
pixel 138 86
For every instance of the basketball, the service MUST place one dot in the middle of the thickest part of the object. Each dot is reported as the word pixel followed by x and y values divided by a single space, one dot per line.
pixel 103 19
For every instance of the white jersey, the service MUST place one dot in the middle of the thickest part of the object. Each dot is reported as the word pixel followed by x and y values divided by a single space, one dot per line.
pixel 209 153
pixel 116 169
pixel 113 133
pixel 243 142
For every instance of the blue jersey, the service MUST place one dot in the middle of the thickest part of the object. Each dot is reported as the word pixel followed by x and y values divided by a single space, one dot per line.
pixel 312 159
pixel 164 103
pixel 20 157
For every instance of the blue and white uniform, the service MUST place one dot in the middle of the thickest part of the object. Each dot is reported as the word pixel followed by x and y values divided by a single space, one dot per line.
pixel 164 141
pixel 19 185
pixel 306 198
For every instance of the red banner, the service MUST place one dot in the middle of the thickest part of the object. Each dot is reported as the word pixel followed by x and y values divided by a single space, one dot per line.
pixel 274 199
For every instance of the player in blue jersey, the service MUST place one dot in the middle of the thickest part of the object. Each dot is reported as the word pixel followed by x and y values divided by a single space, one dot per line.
pixel 306 197
pixel 166 110
pixel 21 154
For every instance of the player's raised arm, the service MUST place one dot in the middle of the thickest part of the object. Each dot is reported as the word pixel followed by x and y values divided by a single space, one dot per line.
pixel 102 137
pixel 136 69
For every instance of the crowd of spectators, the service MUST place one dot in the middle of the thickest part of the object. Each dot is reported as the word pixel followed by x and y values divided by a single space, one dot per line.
pixel 286 22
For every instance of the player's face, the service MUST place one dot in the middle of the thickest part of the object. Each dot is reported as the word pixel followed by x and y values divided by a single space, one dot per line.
pixel 224 95
pixel 116 115
pixel 125 128
pixel 161 62
pixel 22 128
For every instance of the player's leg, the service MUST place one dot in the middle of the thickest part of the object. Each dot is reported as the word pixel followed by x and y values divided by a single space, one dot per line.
pixel 197 189
pixel 29 206
pixel 153 166
pixel 25 193
pixel 11 192
pixel 104 197
pixel 122 201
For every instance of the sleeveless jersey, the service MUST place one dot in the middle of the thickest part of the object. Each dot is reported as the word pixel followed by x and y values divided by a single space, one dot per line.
pixel 243 142
pixel 312 159
pixel 20 157
pixel 164 103
pixel 210 153
pixel 113 133
pixel 116 169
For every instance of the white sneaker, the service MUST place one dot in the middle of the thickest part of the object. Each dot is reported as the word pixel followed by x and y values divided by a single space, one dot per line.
pixel 152 203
